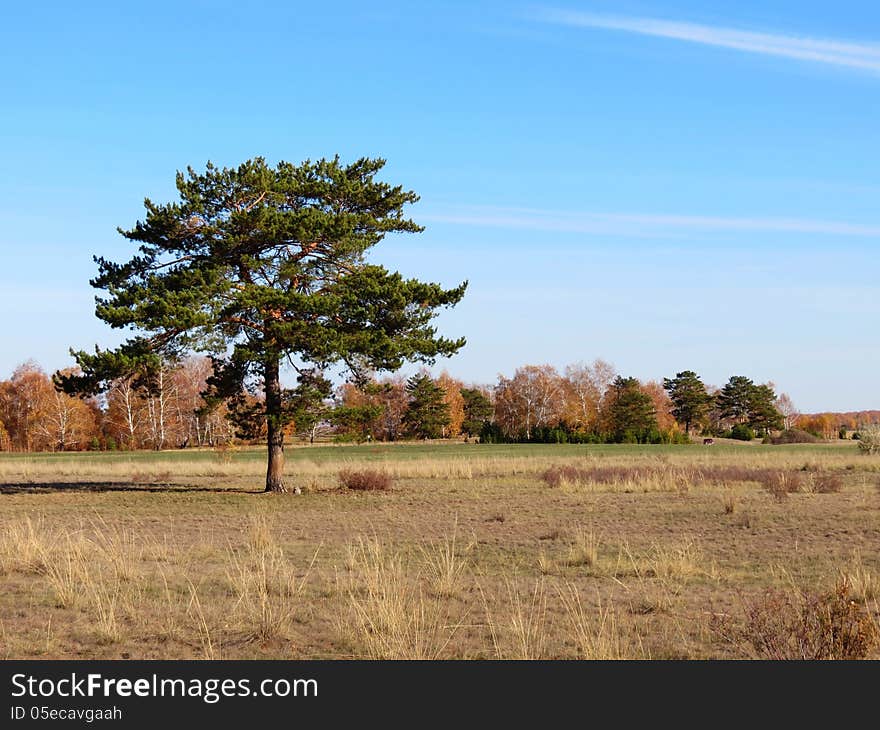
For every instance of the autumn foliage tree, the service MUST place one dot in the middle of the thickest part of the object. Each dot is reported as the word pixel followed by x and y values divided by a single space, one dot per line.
pixel 374 408
pixel 454 404
pixel 532 398
pixel 787 409
pixel 36 417
pixel 584 387
pixel 258 265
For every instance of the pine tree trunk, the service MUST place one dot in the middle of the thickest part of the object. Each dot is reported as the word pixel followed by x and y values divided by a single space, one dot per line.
pixel 275 469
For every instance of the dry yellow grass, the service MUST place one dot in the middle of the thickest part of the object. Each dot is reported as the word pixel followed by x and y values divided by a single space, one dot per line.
pixel 863 583
pixel 596 631
pixel 391 615
pixel 266 586
pixel 674 465
pixel 471 556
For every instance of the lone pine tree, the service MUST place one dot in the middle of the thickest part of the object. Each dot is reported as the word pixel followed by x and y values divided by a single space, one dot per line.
pixel 259 264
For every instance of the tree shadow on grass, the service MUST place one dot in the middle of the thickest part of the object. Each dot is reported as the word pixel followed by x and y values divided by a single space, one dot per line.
pixel 160 487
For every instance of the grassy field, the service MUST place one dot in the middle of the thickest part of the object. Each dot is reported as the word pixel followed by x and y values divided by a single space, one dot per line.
pixel 477 551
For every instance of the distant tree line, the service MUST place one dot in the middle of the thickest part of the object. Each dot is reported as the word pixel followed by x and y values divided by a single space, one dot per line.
pixel 177 405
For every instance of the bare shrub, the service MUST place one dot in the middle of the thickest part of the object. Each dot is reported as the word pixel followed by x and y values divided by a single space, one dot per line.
pixel 797 624
pixel 828 483
pixel 794 436
pixel 869 438
pixel 673 479
pixel 366 480
pixel 781 483
pixel 584 549
pixel 157 477
pixel 729 502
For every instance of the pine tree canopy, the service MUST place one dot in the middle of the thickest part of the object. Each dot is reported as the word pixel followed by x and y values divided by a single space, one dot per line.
pixel 256 264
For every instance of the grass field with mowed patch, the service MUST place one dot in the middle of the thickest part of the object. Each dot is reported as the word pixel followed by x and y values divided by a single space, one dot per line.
pixel 474 551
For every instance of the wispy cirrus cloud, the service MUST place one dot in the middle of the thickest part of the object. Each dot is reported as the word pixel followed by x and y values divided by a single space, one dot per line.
pixel 856 55
pixel 639 224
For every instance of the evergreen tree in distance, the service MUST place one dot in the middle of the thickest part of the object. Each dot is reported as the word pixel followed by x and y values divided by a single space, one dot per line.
pixel 735 398
pixel 690 401
pixel 763 414
pixel 747 403
pixel 258 265
pixel 631 414
pixel 477 410
pixel 427 412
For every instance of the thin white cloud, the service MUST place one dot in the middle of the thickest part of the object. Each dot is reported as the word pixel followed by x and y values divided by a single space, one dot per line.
pixel 864 56
pixel 639 224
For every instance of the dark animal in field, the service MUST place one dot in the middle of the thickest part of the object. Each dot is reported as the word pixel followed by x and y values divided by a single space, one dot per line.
pixel 708 442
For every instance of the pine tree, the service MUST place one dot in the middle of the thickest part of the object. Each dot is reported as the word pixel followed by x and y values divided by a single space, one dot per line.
pixel 690 401
pixel 631 415
pixel 763 414
pixel 746 403
pixel 735 397
pixel 259 265
pixel 427 412
pixel 477 410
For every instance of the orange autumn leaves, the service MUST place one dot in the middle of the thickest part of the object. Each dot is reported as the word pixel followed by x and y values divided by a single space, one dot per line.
pixel 35 416
pixel 391 400
pixel 537 396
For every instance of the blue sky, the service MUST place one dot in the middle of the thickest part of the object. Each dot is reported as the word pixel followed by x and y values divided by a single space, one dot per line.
pixel 659 184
